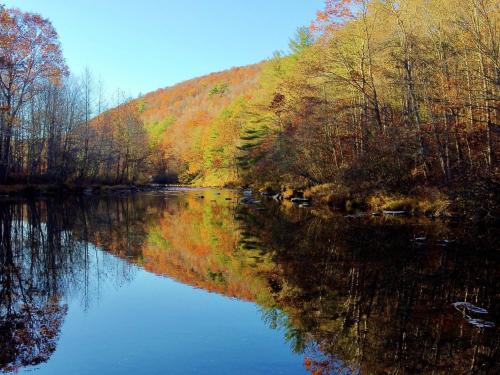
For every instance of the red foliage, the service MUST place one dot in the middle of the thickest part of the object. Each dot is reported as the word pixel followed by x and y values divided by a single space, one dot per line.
pixel 335 14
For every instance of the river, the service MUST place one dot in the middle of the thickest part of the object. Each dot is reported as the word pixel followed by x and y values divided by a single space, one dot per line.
pixel 190 281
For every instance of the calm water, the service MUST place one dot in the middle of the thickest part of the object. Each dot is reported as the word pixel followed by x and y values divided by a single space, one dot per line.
pixel 173 283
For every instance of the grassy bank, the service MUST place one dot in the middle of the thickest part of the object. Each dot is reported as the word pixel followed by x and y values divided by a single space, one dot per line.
pixel 472 203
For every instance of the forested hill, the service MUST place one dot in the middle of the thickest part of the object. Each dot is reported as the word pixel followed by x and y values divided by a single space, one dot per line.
pixel 192 124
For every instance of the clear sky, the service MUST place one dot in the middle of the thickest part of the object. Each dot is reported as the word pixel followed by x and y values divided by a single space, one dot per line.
pixel 139 46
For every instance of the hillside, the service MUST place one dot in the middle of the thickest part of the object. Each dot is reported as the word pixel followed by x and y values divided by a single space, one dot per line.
pixel 194 124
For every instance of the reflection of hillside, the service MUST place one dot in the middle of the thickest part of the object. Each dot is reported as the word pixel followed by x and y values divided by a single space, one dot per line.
pixel 196 242
pixel 187 238
pixel 193 240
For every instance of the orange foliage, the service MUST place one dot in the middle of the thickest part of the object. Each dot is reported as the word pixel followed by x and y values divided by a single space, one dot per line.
pixel 192 106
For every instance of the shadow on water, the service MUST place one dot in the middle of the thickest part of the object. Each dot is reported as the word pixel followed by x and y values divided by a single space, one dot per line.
pixel 353 295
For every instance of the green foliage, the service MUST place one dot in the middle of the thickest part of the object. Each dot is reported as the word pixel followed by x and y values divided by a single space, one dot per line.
pixel 141 106
pixel 250 153
pixel 302 39
pixel 158 240
pixel 219 89
pixel 157 128
pixel 219 153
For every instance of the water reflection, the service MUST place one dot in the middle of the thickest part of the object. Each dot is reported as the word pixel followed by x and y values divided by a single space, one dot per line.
pixel 353 295
pixel 378 294
pixel 43 261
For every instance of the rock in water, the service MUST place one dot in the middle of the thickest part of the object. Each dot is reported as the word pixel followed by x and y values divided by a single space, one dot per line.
pixel 467 306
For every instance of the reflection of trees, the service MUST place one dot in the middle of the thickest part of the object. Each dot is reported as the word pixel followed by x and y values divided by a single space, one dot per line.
pixel 31 311
pixel 363 294
pixel 45 259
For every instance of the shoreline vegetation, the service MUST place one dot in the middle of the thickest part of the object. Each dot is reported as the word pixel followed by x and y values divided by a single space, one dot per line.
pixel 430 203
pixel 379 106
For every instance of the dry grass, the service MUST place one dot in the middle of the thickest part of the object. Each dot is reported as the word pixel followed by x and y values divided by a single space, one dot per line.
pixel 427 202
pixel 330 194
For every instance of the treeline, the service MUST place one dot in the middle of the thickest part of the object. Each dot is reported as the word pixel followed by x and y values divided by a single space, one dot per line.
pixel 47 131
pixel 383 95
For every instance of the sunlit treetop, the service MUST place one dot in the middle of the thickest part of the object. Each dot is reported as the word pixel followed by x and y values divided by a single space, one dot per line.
pixel 30 54
pixel 335 15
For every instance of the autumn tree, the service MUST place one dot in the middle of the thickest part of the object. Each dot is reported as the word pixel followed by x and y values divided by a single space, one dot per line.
pixel 30 55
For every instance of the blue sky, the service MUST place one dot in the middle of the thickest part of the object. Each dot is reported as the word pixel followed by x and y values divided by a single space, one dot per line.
pixel 139 46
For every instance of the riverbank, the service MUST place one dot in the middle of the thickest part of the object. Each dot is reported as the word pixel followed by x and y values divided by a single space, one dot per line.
pixel 27 190
pixel 40 190
pixel 471 204
pixel 428 202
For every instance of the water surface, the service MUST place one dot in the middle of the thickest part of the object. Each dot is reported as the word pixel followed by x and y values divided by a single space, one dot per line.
pixel 181 282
